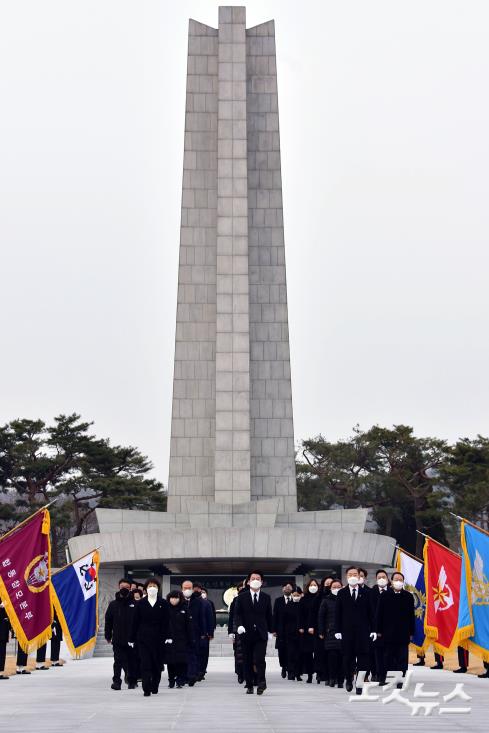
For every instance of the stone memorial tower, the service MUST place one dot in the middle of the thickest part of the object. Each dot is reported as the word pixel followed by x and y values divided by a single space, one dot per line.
pixel 232 437
pixel 232 500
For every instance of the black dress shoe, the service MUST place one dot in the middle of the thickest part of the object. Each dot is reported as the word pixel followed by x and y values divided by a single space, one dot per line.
pixel 249 690
pixel 309 678
pixel 437 666
pixel 180 687
pixel 483 675
pixel 3 677
pixel 460 670
pixel 41 669
pixel 349 686
pixel 330 683
pixel 131 686
pixel 291 677
pixel 191 683
pixel 115 686
pixel 147 694
pixel 299 678
pixel 171 684
pixel 261 690
pixel 154 691
pixel 420 663
pixel 284 673
pixel 358 690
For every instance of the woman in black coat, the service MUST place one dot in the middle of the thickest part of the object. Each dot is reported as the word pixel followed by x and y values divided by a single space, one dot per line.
pixel 288 630
pixel 332 647
pixel 149 631
pixel 178 639
pixel 237 642
pixel 308 614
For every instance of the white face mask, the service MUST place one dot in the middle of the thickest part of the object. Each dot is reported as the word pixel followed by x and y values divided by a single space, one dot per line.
pixel 203 595
pixel 353 580
pixel 313 589
pixel 296 599
pixel 334 591
pixel 152 592
pixel 174 601
pixel 398 584
pixel 187 592
pixel 381 582
pixel 361 580
pixel 255 584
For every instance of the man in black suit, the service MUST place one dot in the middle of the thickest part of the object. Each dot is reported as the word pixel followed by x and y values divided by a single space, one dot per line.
pixel 377 652
pixel 254 623
pixel 395 625
pixel 278 613
pixel 354 627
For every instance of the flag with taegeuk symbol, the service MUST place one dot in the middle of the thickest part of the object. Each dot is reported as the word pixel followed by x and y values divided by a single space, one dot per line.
pixel 442 580
pixel 75 598
pixel 25 567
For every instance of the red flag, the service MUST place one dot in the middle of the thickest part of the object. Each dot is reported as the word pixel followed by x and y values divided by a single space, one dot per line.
pixel 442 569
pixel 25 568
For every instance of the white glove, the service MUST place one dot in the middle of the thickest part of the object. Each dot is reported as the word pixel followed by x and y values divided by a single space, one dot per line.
pixel 232 636
pixel 338 636
pixel 168 641
pixel 131 644
pixel 241 629
pixel 270 636
pixel 373 636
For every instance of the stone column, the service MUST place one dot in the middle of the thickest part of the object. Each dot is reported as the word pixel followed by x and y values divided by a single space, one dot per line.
pixel 232 456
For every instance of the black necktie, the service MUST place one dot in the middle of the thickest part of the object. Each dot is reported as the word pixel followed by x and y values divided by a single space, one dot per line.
pixel 354 594
pixel 255 599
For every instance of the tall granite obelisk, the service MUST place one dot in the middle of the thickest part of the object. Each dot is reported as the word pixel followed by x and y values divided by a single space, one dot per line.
pixel 232 493
pixel 232 437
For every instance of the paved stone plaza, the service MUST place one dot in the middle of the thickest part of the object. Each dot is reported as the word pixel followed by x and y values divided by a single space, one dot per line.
pixel 78 698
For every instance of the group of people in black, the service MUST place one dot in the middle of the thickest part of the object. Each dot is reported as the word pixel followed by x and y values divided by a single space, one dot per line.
pixel 328 630
pixel 148 632
pixel 6 633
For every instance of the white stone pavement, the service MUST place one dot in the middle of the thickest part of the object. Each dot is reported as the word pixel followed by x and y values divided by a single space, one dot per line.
pixel 79 698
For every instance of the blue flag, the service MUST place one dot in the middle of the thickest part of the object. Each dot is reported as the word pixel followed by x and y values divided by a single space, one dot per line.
pixel 75 598
pixel 413 571
pixel 473 616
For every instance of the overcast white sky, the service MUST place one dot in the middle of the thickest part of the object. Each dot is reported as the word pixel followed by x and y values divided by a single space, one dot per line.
pixel 384 118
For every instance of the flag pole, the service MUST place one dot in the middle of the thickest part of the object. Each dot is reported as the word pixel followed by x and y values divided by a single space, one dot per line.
pixel 408 553
pixel 74 561
pixel 24 521
pixel 467 521
pixel 427 536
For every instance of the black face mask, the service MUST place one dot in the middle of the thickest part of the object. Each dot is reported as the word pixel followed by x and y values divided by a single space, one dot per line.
pixel 287 592
pixel 124 592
